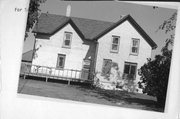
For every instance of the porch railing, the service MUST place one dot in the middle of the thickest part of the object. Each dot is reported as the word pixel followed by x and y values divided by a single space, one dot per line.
pixel 52 72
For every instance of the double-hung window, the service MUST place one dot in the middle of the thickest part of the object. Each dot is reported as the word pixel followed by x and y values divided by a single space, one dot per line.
pixel 130 70
pixel 60 61
pixel 135 46
pixel 115 44
pixel 67 39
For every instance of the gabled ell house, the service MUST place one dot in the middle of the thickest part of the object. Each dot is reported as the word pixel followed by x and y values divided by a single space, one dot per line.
pixel 65 42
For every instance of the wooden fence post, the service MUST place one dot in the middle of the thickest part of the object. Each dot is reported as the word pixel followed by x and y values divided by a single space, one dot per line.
pixel 24 75
pixel 69 82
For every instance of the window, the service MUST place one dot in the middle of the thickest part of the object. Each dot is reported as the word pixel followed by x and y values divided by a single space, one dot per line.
pixel 130 70
pixel 115 43
pixel 67 39
pixel 135 46
pixel 60 61
pixel 106 68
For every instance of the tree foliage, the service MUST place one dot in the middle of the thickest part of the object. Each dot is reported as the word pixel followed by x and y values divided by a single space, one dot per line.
pixel 155 73
pixel 33 13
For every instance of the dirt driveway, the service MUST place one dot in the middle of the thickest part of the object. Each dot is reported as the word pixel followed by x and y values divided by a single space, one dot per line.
pixel 87 94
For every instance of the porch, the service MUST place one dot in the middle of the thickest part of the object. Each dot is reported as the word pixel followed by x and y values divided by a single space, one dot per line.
pixel 70 75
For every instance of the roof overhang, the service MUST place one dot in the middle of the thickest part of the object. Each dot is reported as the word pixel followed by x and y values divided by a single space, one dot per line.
pixel 135 25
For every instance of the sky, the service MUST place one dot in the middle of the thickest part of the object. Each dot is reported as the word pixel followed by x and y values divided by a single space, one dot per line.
pixel 147 17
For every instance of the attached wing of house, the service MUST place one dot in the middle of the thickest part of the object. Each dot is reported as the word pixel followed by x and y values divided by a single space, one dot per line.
pixel 27 56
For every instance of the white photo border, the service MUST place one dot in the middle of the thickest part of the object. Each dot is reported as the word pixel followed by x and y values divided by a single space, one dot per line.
pixel 20 106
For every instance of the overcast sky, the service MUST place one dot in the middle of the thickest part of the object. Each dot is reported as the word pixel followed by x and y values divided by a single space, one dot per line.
pixel 147 17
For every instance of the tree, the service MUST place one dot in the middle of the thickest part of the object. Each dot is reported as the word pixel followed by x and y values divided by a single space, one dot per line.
pixel 33 13
pixel 155 73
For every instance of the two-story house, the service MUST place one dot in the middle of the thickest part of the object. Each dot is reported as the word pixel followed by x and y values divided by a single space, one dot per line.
pixel 65 42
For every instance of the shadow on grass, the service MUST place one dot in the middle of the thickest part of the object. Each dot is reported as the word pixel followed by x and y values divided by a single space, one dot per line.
pixel 114 96
pixel 123 96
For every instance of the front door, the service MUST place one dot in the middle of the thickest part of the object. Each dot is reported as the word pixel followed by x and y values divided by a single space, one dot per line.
pixel 86 69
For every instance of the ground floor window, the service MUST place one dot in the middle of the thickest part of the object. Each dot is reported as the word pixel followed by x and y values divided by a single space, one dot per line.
pixel 60 61
pixel 130 70
pixel 106 68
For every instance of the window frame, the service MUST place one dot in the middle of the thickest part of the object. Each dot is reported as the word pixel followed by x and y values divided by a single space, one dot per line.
pixel 130 64
pixel 118 44
pixel 135 53
pixel 64 39
pixel 58 58
pixel 104 65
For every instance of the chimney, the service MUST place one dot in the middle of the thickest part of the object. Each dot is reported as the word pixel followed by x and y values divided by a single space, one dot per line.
pixel 68 11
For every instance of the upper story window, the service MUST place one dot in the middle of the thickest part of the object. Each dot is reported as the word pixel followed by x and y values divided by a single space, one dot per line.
pixel 67 39
pixel 135 46
pixel 115 44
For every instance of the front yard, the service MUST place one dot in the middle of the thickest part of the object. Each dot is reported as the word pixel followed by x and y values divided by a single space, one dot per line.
pixel 88 94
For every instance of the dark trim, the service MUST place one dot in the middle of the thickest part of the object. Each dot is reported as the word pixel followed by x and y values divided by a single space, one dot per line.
pixel 130 62
pixel 135 25
pixel 26 61
pixel 142 32
pixel 60 27
pixel 34 47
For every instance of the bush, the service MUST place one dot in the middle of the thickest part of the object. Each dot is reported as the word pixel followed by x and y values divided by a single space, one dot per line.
pixel 154 77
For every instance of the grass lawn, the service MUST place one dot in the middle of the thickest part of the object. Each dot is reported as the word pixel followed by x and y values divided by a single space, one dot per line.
pixel 88 94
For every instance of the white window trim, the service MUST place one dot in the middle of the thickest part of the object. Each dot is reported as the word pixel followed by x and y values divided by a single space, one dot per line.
pixel 111 50
pixel 132 53
pixel 64 46
pixel 60 55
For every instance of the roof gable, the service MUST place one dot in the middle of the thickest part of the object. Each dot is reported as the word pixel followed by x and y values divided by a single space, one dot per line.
pixel 86 28
pixel 135 25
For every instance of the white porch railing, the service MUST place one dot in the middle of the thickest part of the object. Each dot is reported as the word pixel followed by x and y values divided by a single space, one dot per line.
pixel 52 72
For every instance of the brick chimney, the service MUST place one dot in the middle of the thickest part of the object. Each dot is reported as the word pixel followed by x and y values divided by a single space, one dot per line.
pixel 68 11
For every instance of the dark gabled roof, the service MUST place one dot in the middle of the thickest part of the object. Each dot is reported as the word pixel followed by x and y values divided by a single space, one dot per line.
pixel 27 56
pixel 135 25
pixel 50 23
pixel 87 29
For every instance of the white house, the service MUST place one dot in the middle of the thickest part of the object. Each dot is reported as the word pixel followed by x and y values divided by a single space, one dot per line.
pixel 65 42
